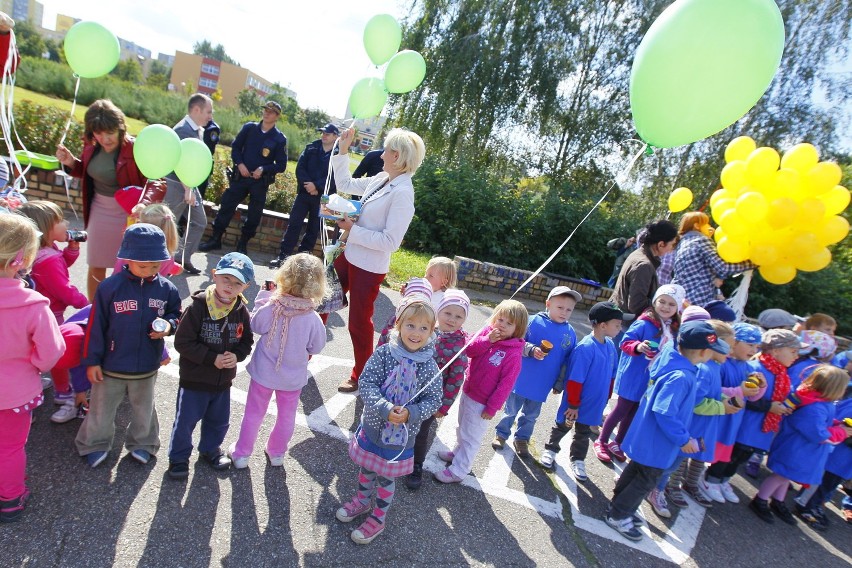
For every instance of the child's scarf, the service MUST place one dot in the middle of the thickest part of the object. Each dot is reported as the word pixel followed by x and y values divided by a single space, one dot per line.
pixel 217 312
pixel 285 307
pixel 401 384
pixel 772 422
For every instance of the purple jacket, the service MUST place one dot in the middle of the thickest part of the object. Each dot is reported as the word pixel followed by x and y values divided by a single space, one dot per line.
pixel 493 369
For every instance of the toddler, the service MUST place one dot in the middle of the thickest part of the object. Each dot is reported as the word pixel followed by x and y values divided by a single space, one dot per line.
pixel 442 274
pixel 160 215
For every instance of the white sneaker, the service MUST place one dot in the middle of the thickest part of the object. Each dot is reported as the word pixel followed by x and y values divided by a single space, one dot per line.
pixel 238 462
pixel 658 502
pixel 274 461
pixel 66 413
pixel 548 460
pixel 728 493
pixel 578 469
pixel 711 490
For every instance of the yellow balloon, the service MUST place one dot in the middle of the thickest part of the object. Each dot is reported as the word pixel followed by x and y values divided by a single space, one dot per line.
pixel 722 206
pixel 786 183
pixel 811 212
pixel 782 212
pixel 836 200
pixel 777 273
pixel 763 254
pixel 734 176
pixel 721 194
pixel 752 206
pixel 732 251
pixel 761 166
pixel 817 260
pixel 801 157
pixel 739 148
pixel 823 177
pixel 803 244
pixel 679 199
pixel 736 228
pixel 832 230
pixel 718 234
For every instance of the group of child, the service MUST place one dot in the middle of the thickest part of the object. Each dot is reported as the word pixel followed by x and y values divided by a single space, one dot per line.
pixel 690 389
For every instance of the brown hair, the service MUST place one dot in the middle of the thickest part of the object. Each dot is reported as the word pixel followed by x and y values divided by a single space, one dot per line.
pixel 104 116
pixel 45 214
pixel 828 380
pixel 515 312
pixel 691 221
pixel 820 320
pixel 723 330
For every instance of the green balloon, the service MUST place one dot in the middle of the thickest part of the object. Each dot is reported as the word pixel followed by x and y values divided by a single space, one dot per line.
pixel 91 50
pixel 701 66
pixel 156 151
pixel 368 97
pixel 195 162
pixel 405 72
pixel 382 36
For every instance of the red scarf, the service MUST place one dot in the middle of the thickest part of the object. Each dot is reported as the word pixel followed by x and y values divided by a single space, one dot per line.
pixel 772 422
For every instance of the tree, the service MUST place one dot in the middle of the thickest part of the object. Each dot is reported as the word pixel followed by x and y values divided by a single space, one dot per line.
pixel 29 40
pixel 128 70
pixel 54 51
pixel 159 75
pixel 207 49
pixel 315 118
pixel 249 102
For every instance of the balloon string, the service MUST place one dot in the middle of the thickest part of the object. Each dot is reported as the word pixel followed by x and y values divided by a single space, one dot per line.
pixel 7 120
pixel 73 108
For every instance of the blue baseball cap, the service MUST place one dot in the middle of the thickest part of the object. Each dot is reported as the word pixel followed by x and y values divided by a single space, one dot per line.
pixel 236 264
pixel 329 129
pixel 701 335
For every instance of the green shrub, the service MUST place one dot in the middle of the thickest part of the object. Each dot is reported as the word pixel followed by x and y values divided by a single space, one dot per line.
pixel 40 128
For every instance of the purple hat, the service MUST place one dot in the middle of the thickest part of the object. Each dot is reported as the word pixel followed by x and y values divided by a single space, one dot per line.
pixel 694 313
pixel 454 297
pixel 418 286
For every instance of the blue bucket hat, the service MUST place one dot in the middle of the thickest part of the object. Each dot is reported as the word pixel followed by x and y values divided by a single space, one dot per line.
pixel 144 242
pixel 236 264
pixel 720 310
pixel 701 335
pixel 747 333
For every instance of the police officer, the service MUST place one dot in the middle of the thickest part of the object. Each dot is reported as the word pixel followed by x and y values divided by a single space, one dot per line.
pixel 259 153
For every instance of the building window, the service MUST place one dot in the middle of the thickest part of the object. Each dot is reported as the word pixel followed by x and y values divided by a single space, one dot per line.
pixel 205 82
pixel 209 69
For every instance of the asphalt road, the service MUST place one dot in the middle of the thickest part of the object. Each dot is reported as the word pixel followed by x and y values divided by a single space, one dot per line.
pixel 507 513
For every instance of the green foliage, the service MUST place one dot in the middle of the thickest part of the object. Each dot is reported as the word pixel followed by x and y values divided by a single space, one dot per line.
pixel 249 102
pixel 207 49
pixel 40 128
pixel 405 264
pixel 128 70
pixel 158 75
pixel 30 42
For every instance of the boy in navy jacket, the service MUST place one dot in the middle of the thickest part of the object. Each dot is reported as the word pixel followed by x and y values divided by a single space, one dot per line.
pixel 123 346
pixel 661 427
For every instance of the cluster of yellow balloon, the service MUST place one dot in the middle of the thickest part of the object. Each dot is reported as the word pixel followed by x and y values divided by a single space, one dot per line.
pixel 779 212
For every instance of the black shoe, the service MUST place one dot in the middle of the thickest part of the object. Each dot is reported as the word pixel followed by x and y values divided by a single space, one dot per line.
pixel 179 470
pixel 217 460
pixel 241 247
pixel 810 518
pixel 213 244
pixel 278 261
pixel 761 509
pixel 190 269
pixel 414 479
pixel 782 512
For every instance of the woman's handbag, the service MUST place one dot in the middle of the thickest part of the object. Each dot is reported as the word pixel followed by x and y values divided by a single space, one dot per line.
pixel 335 298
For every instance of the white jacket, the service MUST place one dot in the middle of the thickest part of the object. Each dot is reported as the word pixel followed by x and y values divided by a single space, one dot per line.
pixel 384 217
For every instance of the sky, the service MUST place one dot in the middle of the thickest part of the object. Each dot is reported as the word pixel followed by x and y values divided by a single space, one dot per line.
pixel 314 48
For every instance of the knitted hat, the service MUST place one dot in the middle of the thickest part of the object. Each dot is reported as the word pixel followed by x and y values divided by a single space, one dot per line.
pixel 143 242
pixel 747 333
pixel 824 344
pixel 719 310
pixel 409 299
pixel 418 286
pixel 454 297
pixel 694 313
pixel 674 291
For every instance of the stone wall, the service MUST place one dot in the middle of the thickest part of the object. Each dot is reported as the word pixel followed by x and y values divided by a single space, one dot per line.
pixel 504 280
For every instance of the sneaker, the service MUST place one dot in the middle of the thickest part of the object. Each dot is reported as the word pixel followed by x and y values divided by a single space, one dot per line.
pixel 698 496
pixel 368 530
pixel 82 410
pixel 446 455
pixel 274 461
pixel 752 468
pixel 217 460
pixel 277 261
pixel 659 504
pixel 761 509
pixel 600 451
pixel 348 512
pixel 348 386
pixel 616 451
pixel 782 512
pixel 188 268
pixel 548 460
pixel 522 448
pixel 578 470
pixel 446 476
pixel 676 497
pixel 239 462
pixel 179 470
pixel 95 459
pixel 142 456
pixel 414 480
pixel 713 491
pixel 847 514
pixel 625 527
pixel 66 413
pixel 60 398
pixel 498 443
pixel 11 510
pixel 727 492
pixel 810 518
pixel 638 521
pixel 46 383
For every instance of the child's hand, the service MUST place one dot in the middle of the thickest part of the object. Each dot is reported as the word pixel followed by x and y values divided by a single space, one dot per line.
pixel 165 361
pixel 748 391
pixel 486 416
pixel 226 360
pixel 494 335
pixel 730 407
pixel 780 409
pixel 691 447
pixel 439 415
pixel 758 378
pixel 160 334
pixel 398 415
pixel 73 245
pixel 95 374
pixel 571 414
pixel 538 353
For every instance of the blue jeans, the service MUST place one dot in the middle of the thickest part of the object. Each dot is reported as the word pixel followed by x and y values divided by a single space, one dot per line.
pixel 667 473
pixel 529 409
pixel 213 409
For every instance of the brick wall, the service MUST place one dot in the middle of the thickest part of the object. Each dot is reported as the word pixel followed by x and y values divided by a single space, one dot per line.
pixel 48 185
pixel 504 280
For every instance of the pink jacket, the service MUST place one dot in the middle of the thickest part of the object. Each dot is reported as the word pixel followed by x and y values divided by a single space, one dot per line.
pixel 493 369
pixel 50 273
pixel 30 342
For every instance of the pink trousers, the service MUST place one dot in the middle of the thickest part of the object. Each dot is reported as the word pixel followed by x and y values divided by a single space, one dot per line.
pixel 14 430
pixel 257 402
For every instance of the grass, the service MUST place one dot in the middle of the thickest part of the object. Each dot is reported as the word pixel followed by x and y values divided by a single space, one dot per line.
pixel 406 264
pixel 134 126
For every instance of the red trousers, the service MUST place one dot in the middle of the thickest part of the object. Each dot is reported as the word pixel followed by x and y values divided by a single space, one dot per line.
pixel 363 289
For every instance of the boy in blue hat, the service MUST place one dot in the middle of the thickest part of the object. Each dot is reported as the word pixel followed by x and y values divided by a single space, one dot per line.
pixel 661 427
pixel 133 311
pixel 214 334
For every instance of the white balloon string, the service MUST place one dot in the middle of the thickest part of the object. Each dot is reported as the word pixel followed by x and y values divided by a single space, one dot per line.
pixel 739 298
pixel 7 121
pixel 73 108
